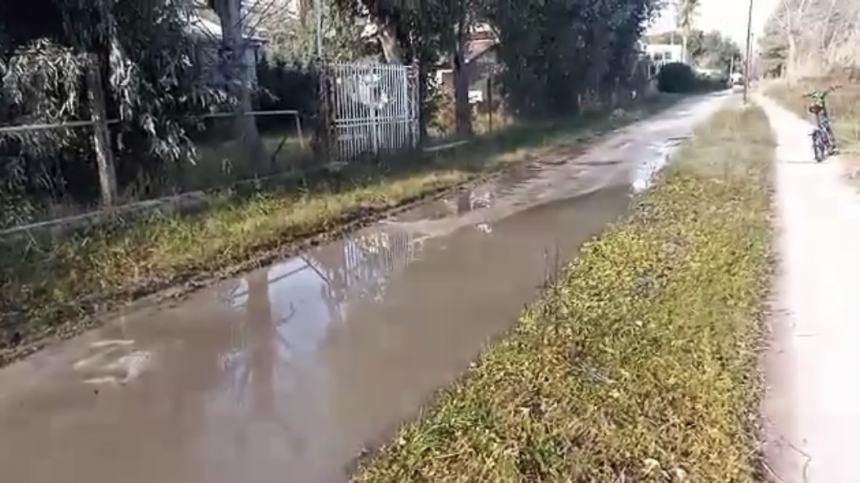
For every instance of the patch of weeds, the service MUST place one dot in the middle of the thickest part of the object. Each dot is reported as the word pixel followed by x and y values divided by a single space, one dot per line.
pixel 639 363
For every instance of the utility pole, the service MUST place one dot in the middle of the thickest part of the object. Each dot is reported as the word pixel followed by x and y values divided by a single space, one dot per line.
pixel 748 52
pixel 318 27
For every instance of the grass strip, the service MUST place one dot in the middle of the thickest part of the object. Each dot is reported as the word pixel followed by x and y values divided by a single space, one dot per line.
pixel 639 363
pixel 53 288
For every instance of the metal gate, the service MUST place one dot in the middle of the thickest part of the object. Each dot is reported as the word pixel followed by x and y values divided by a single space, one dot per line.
pixel 371 109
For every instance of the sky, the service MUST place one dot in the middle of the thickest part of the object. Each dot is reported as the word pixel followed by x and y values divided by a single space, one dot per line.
pixel 727 16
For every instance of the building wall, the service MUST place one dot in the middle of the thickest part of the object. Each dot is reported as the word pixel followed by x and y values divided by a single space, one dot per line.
pixel 663 53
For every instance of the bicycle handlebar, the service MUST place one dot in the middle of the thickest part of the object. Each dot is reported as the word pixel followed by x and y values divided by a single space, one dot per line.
pixel 824 92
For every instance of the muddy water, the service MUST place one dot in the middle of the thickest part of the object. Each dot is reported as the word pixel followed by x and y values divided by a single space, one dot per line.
pixel 287 373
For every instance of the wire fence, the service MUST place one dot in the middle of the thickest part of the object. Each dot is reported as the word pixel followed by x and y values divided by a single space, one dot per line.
pixel 62 169
pixel 61 188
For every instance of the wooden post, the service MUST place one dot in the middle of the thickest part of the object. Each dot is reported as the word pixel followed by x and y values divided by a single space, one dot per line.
pixel 101 136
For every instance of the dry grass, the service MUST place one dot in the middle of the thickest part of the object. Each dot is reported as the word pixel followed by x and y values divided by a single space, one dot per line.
pixel 639 363
pixel 46 288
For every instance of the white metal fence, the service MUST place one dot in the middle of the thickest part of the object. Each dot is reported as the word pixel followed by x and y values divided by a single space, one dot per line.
pixel 371 108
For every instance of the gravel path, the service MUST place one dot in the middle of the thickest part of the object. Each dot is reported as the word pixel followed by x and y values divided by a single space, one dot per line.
pixel 811 407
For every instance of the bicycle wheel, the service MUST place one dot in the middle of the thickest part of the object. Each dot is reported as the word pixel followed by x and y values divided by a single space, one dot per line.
pixel 818 147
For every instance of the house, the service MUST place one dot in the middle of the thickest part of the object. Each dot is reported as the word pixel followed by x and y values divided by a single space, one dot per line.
pixel 208 37
pixel 661 54
pixel 481 56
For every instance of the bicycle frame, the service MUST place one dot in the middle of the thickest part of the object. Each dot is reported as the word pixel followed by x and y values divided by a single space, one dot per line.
pixel 823 121
pixel 823 138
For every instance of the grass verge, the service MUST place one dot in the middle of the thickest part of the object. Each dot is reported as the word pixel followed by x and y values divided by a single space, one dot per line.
pixel 53 289
pixel 639 364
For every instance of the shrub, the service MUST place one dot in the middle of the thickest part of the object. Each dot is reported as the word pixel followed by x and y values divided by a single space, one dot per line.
pixel 676 77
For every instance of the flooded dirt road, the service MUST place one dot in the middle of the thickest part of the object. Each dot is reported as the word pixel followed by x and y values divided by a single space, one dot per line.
pixel 288 373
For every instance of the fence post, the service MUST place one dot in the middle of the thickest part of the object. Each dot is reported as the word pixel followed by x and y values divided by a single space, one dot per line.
pixel 101 136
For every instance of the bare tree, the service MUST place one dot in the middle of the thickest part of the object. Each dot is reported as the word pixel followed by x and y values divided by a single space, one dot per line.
pixel 817 36
pixel 789 16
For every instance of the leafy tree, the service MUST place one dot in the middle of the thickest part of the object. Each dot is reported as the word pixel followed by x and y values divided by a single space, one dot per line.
pixel 558 53
pixel 145 60
pixel 292 38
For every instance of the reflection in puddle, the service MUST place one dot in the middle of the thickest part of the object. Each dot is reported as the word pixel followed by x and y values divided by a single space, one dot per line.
pixel 460 203
pixel 305 295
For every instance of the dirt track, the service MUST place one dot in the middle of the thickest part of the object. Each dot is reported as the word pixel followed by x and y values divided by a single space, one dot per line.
pixel 291 371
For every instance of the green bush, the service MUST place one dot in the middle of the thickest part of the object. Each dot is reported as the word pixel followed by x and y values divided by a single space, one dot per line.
pixel 677 77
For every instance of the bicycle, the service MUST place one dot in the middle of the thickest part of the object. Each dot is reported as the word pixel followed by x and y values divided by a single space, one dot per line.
pixel 823 140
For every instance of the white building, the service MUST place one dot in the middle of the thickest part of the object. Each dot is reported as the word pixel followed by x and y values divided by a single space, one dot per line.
pixel 663 53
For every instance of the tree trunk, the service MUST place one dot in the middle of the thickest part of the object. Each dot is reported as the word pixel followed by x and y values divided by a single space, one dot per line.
pixel 423 73
pixel 684 48
pixel 391 49
pixel 791 57
pixel 237 76
pixel 462 110
pixel 304 9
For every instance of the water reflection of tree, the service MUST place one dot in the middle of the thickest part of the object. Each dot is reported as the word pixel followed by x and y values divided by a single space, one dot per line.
pixel 362 265
pixel 263 338
pixel 257 359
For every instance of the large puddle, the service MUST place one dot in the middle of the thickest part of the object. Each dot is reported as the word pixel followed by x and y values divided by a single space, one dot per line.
pixel 290 372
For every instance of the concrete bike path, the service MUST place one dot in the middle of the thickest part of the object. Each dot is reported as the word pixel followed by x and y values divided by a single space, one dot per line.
pixel 811 408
